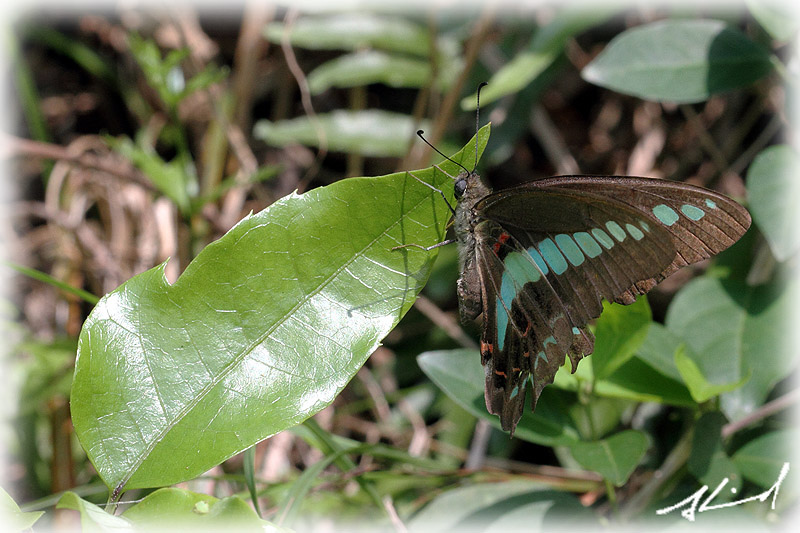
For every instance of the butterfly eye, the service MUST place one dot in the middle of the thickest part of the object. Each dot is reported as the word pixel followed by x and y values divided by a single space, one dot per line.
pixel 459 188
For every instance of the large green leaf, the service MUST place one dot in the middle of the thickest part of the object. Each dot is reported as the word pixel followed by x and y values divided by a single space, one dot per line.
pixel 773 190
pixel 460 375
pixel 734 330
pixel 371 133
pixel 261 331
pixel 679 61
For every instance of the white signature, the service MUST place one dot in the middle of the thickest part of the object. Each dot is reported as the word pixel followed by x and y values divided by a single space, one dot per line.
pixel 693 500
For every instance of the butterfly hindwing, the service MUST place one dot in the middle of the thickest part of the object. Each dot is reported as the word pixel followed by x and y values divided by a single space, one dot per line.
pixel 548 252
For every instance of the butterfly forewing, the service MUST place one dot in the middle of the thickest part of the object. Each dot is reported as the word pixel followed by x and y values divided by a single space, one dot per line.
pixel 550 250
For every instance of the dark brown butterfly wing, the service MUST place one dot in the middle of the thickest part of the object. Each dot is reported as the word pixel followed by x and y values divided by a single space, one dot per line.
pixel 549 251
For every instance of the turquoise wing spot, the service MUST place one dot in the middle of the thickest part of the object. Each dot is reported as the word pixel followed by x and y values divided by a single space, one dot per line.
pixel 616 230
pixel 515 391
pixel 695 213
pixel 537 258
pixel 540 355
pixel 576 331
pixel 570 249
pixel 587 244
pixel 665 214
pixel 711 204
pixel 603 238
pixel 645 226
pixel 549 340
pixel 635 232
pixel 553 256
pixel 518 271
pixel 521 269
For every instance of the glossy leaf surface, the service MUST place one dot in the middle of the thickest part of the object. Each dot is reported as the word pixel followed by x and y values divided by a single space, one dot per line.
pixel 261 331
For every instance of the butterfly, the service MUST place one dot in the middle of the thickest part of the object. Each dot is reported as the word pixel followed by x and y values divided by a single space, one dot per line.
pixel 537 260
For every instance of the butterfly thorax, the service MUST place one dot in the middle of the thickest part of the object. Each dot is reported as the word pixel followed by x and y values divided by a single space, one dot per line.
pixel 469 189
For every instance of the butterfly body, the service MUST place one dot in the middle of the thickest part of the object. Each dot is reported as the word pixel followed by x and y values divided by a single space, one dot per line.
pixel 536 260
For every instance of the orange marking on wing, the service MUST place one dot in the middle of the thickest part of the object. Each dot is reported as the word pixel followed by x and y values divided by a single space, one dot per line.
pixel 501 240
pixel 499 373
pixel 487 347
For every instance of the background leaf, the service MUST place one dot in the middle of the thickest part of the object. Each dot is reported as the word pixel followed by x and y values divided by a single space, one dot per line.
pixel 460 375
pixel 547 44
pixel 613 458
pixel 353 31
pixel 708 461
pixel 774 198
pixel 369 133
pixel 14 518
pixel 93 517
pixel 678 61
pixel 180 508
pixel 261 331
pixel 369 66
pixel 620 331
pixel 761 459
pixel 780 22
pixel 733 329
pixel 497 507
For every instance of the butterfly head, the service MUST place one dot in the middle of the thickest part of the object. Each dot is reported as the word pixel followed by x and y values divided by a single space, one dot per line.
pixel 469 187
pixel 460 186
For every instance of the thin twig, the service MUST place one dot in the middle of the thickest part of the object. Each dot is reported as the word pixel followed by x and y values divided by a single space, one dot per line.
pixel 443 118
pixel 768 409
pixel 11 146
pixel 552 142
pixel 448 324
pixel 395 519
pixel 305 98
pixel 479 445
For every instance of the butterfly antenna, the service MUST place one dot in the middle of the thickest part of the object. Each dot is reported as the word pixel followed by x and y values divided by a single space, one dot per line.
pixel 419 134
pixel 478 121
